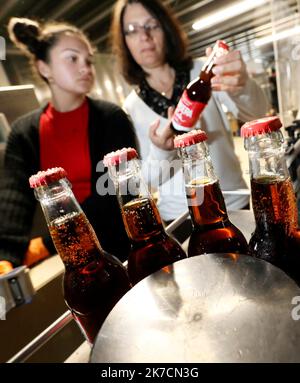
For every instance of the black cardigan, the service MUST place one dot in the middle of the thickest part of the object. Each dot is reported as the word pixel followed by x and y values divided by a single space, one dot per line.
pixel 109 129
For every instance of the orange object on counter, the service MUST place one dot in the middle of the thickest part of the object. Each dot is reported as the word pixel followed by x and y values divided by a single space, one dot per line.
pixel 36 252
pixel 5 267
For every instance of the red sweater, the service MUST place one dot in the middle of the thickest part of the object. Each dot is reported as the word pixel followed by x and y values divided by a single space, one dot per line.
pixel 64 142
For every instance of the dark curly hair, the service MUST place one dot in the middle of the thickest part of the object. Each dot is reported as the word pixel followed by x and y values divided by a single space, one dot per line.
pixel 36 40
pixel 175 38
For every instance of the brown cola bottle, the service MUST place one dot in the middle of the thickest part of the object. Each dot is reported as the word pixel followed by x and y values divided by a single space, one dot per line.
pixel 197 94
pixel 276 238
pixel 152 248
pixel 94 280
pixel 212 230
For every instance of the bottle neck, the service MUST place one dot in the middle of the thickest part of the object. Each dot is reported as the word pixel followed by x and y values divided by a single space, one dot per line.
pixel 273 198
pixel 206 71
pixel 205 200
pixel 197 164
pixel 139 212
pixel 206 76
pixel 266 157
pixel 71 232
pixel 196 96
pixel 57 200
pixel 209 63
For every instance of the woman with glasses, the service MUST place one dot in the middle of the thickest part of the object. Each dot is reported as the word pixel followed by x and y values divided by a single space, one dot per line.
pixel 152 55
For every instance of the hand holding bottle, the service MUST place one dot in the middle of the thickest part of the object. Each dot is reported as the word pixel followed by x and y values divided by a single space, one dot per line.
pixel 197 93
pixel 230 73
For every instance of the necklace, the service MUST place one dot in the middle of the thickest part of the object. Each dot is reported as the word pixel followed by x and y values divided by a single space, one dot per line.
pixel 161 87
pixel 165 92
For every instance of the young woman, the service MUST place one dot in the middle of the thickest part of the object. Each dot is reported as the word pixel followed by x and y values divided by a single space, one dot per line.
pixel 152 55
pixel 72 131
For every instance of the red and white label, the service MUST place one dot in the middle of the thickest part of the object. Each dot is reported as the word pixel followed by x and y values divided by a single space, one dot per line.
pixel 187 113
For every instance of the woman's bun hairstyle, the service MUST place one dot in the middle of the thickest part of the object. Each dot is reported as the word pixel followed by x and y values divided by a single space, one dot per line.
pixel 36 40
pixel 25 34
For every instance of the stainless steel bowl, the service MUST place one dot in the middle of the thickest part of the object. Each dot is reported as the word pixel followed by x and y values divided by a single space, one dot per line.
pixel 209 308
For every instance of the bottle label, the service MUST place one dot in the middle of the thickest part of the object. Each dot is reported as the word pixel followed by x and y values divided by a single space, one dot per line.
pixel 187 112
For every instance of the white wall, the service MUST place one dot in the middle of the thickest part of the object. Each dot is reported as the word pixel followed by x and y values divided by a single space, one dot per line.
pixel 110 85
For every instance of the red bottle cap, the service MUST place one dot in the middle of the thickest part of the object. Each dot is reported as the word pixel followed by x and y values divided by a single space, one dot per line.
pixel 47 177
pixel 261 126
pixel 222 44
pixel 190 138
pixel 122 155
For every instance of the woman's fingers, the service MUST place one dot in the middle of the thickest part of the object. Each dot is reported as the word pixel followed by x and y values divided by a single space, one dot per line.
pixel 163 139
pixel 153 129
pixel 228 68
pixel 171 110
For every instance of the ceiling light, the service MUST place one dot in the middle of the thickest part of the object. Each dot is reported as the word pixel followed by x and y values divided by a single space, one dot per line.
pixel 277 36
pixel 226 13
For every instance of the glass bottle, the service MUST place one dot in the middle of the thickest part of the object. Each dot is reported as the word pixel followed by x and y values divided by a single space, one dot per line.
pixel 197 93
pixel 212 230
pixel 276 238
pixel 94 280
pixel 151 247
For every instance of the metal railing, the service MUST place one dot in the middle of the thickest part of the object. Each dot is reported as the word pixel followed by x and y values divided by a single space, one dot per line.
pixel 42 338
